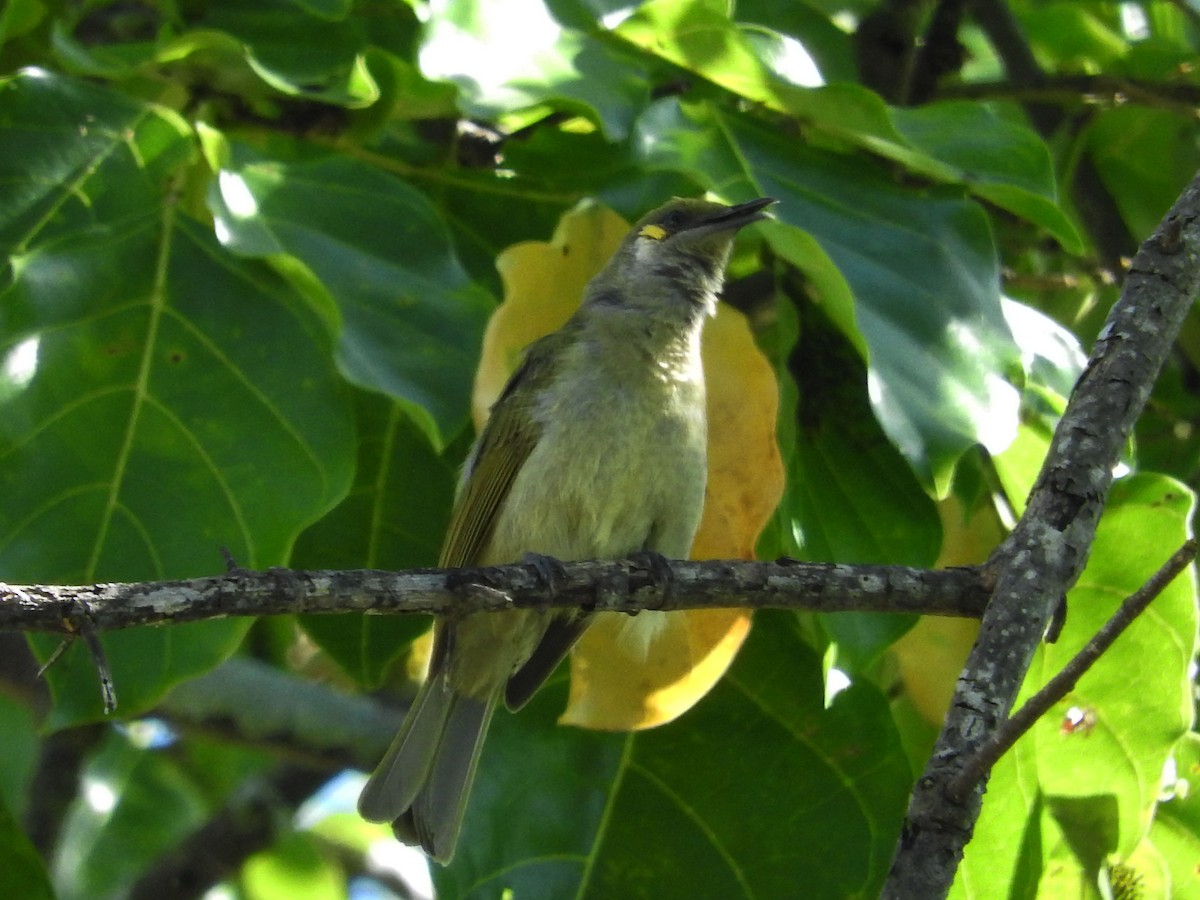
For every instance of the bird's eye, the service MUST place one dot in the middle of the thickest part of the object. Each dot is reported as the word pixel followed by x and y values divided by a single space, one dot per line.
pixel 672 220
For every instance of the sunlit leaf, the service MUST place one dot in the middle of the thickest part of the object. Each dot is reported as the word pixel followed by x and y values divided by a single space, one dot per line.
pixel 135 353
pixel 1176 827
pixel 410 319
pixel 293 869
pixel 1090 771
pixel 513 55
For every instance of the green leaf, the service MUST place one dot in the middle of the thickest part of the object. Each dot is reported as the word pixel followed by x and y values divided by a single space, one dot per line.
pixel 293 869
pixel 134 805
pixel 700 37
pixel 75 154
pixel 1083 785
pixel 759 764
pixel 318 56
pixel 513 56
pixel 921 267
pixel 1007 845
pixel 828 45
pixel 1145 157
pixel 106 41
pixel 851 497
pixel 1053 360
pixel 1176 828
pixel 1021 462
pixel 135 353
pixel 117 398
pixel 411 320
pixel 22 872
pixel 926 298
pixel 998 160
pixel 393 518
pixel 19 17
pixel 957 142
pixel 1074 36
pixel 1140 711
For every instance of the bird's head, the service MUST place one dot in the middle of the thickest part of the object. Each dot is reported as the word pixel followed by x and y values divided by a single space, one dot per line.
pixel 681 249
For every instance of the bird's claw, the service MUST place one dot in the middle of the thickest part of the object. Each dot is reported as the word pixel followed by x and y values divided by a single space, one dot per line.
pixel 549 570
pixel 658 567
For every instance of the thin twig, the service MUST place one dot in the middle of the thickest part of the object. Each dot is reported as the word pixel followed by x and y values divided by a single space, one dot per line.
pixel 982 761
pixel 1085 90
pixel 56 655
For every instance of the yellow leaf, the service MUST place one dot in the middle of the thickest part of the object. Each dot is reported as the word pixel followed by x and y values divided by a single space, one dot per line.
pixel 932 653
pixel 615 686
pixel 543 283
pixel 617 683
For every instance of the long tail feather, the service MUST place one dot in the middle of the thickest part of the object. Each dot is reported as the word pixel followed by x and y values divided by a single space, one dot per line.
pixel 424 780
pixel 437 812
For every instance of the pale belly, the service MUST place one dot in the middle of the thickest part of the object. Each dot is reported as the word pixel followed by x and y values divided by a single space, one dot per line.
pixel 587 492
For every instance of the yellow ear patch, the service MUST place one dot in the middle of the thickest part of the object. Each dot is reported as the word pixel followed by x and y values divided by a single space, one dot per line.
pixel 654 232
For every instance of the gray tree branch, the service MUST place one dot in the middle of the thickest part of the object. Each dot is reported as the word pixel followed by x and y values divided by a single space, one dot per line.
pixel 625 587
pixel 1047 550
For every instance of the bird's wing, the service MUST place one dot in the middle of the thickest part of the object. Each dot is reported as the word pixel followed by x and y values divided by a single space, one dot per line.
pixel 508 438
pixel 562 631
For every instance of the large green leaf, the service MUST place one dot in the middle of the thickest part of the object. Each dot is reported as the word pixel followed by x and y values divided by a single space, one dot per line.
pixel 699 807
pixel 411 319
pixel 1140 711
pixel 1089 772
pixel 850 496
pixel 996 159
pixel 919 265
pixel 159 398
pixel 74 155
pixel 393 518
pixel 1005 852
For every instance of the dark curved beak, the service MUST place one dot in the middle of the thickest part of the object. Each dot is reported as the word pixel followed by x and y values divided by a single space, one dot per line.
pixel 739 216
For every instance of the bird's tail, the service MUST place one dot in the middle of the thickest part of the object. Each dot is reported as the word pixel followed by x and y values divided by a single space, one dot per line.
pixel 423 782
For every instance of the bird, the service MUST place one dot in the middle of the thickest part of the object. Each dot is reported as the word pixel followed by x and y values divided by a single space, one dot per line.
pixel 595 448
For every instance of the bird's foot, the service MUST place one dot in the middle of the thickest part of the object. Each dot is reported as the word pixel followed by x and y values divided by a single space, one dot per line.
pixel 549 570
pixel 659 569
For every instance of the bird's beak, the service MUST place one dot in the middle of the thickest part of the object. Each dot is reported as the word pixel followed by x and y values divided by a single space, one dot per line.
pixel 735 217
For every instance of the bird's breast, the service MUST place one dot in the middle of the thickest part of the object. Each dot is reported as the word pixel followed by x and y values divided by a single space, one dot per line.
pixel 619 467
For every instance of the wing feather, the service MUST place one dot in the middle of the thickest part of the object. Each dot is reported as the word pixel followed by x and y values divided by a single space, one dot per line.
pixel 508 438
